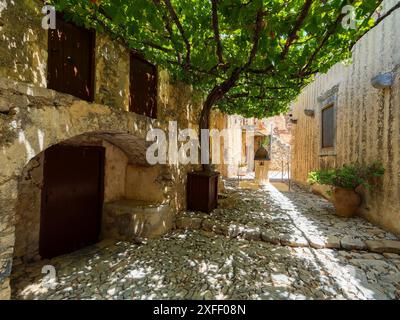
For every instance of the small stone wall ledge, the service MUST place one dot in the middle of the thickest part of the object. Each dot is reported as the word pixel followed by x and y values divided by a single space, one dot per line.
pixel 347 243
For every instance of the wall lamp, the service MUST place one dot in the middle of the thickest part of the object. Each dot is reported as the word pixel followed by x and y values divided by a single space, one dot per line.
pixel 309 112
pixel 383 80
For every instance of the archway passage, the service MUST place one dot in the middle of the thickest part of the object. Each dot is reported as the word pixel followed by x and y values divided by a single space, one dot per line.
pixel 72 199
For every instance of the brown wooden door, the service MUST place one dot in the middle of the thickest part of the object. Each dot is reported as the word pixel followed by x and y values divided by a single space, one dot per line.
pixel 72 199
pixel 71 60
pixel 143 87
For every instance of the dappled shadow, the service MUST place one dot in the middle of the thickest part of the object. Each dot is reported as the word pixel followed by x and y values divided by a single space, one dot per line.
pixel 300 220
pixel 196 264
pixel 182 266
pixel 292 213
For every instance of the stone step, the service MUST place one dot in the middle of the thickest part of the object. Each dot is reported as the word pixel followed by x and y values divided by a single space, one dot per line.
pixel 234 230
pixel 383 246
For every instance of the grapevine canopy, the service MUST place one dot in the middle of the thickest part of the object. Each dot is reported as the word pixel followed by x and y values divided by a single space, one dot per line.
pixel 249 57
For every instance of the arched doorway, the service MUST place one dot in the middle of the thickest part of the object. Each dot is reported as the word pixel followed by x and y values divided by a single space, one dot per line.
pixel 87 188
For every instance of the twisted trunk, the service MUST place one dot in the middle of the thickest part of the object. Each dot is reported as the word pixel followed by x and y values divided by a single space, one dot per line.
pixel 216 94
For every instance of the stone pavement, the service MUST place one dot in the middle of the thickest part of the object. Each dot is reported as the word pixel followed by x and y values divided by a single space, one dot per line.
pixel 297 219
pixel 260 244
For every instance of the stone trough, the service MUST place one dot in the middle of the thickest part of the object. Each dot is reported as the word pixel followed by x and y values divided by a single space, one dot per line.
pixel 130 220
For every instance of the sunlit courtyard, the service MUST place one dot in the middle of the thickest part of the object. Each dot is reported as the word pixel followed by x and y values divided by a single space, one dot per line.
pixel 259 244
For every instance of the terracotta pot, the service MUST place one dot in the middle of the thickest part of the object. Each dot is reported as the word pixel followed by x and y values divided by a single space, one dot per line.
pixel 346 202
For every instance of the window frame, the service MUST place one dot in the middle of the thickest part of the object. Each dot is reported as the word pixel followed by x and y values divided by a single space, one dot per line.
pixel 329 106
pixel 328 100
pixel 52 62
pixel 135 56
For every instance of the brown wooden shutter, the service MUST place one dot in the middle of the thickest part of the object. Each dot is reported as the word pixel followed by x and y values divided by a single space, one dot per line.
pixel 143 87
pixel 71 60
pixel 328 127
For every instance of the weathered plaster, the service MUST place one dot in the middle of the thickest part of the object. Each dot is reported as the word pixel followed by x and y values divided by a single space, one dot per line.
pixel 150 189
pixel 177 102
pixel 368 120
pixel 112 73
pixel 23 41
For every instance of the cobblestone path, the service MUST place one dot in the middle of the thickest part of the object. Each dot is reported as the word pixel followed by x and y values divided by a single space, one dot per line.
pixel 259 244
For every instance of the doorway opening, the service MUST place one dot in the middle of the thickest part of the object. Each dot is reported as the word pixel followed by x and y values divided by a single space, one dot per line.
pixel 72 199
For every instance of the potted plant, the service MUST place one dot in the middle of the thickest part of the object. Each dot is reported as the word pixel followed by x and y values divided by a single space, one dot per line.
pixel 344 182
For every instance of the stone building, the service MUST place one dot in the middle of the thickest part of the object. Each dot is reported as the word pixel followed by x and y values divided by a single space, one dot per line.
pixel 245 136
pixel 342 118
pixel 96 133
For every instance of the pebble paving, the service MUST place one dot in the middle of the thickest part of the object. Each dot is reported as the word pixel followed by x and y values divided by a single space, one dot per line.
pixel 199 261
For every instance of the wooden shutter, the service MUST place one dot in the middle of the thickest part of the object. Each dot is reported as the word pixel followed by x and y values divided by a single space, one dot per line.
pixel 143 87
pixel 71 60
pixel 328 127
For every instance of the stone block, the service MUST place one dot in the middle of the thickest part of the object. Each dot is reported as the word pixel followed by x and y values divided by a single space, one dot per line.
pixel 5 290
pixel 294 241
pixel 133 219
pixel 215 226
pixel 316 242
pixel 5 105
pixel 332 242
pixel 383 246
pixel 270 237
pixel 207 225
pixel 352 243
pixel 232 231
pixel 7 240
pixel 251 234
pixel 191 223
pixel 281 280
pixel 35 91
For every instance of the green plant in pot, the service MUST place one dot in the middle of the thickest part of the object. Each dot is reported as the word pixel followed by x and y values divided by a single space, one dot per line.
pixel 344 182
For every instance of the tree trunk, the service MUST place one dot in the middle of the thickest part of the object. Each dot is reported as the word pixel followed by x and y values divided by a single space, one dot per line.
pixel 205 124
pixel 216 94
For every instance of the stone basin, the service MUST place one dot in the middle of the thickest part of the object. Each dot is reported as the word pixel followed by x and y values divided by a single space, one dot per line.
pixel 130 220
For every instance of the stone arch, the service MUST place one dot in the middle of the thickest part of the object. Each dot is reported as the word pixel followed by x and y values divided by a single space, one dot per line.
pixel 124 157
pixel 45 118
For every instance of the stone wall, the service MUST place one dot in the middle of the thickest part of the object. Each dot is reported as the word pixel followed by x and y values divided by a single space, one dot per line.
pixel 280 155
pixel 280 144
pixel 33 118
pixel 23 57
pixel 150 189
pixel 39 118
pixel 367 119
pixel 178 102
pixel 27 218
pixel 230 150
pixel 23 41
pixel 115 173
pixel 234 146
pixel 112 72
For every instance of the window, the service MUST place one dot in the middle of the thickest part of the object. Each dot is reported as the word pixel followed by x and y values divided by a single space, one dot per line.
pixel 328 127
pixel 143 87
pixel 71 60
